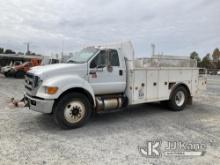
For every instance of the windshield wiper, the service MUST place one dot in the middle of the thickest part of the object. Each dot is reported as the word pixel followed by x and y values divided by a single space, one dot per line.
pixel 72 61
pixel 77 62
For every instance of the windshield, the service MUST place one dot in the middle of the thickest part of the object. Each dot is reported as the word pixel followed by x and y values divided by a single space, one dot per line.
pixel 83 56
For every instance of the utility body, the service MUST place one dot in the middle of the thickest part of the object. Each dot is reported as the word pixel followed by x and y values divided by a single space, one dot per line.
pixel 108 77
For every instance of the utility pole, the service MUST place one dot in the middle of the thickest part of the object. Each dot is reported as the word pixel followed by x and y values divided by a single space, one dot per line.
pixel 62 54
pixel 153 49
pixel 27 47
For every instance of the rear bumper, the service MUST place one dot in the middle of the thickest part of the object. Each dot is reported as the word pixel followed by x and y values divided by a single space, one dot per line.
pixel 39 105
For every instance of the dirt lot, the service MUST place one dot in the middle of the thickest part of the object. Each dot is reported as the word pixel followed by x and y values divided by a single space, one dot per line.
pixel 28 137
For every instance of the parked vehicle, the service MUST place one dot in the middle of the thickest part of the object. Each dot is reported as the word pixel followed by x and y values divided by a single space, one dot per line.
pixel 7 68
pixel 218 73
pixel 49 60
pixel 108 77
pixel 19 70
pixel 212 72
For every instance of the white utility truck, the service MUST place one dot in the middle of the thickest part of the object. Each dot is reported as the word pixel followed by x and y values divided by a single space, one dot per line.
pixel 108 77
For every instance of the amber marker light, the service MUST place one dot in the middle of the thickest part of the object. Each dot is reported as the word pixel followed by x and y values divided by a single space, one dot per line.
pixel 51 90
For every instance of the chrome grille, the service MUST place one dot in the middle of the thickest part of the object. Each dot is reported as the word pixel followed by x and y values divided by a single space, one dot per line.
pixel 32 84
pixel 29 81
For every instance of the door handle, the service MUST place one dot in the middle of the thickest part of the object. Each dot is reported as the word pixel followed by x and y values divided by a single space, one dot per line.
pixel 120 72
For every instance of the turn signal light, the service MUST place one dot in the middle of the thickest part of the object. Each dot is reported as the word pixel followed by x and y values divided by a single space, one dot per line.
pixel 51 90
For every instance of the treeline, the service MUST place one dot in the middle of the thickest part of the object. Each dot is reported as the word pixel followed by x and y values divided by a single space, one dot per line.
pixel 6 51
pixel 210 61
pixel 9 51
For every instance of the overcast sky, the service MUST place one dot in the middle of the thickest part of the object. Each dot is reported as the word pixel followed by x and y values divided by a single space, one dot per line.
pixel 176 26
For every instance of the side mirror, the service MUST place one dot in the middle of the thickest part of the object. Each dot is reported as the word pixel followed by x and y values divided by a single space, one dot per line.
pixel 93 65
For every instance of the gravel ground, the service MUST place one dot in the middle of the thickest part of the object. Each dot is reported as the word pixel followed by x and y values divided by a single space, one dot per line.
pixel 28 137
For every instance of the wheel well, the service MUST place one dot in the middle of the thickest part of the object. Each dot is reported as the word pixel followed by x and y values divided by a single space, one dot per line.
pixel 181 85
pixel 79 90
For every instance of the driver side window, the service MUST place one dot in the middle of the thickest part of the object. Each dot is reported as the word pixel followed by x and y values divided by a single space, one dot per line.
pixel 100 60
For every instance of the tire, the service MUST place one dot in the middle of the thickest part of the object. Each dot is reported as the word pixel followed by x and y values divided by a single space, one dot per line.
pixel 178 99
pixel 72 111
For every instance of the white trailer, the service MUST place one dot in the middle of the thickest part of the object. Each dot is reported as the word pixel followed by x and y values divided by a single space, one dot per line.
pixel 108 77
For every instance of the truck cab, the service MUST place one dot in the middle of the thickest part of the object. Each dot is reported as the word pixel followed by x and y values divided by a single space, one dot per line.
pixel 107 72
pixel 104 78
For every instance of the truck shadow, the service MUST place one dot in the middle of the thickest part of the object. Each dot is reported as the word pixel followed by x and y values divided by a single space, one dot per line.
pixel 135 112
pixel 145 116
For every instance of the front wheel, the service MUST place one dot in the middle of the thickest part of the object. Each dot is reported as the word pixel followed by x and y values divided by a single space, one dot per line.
pixel 178 99
pixel 72 111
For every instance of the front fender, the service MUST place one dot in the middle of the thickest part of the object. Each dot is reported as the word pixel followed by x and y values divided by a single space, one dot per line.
pixel 64 83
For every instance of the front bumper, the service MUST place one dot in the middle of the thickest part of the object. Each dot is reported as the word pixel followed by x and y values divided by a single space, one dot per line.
pixel 39 105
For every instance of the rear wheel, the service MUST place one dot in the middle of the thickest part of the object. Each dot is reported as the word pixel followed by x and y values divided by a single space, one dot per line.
pixel 72 111
pixel 178 99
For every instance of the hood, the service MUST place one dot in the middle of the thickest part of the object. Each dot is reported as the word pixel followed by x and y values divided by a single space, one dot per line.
pixel 59 69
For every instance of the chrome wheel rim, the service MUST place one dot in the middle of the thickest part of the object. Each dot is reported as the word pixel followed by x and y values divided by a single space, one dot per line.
pixel 74 111
pixel 180 98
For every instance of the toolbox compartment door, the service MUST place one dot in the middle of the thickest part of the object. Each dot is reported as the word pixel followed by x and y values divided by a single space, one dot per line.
pixel 202 84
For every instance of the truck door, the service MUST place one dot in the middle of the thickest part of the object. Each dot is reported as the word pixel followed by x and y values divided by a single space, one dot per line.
pixel 106 75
